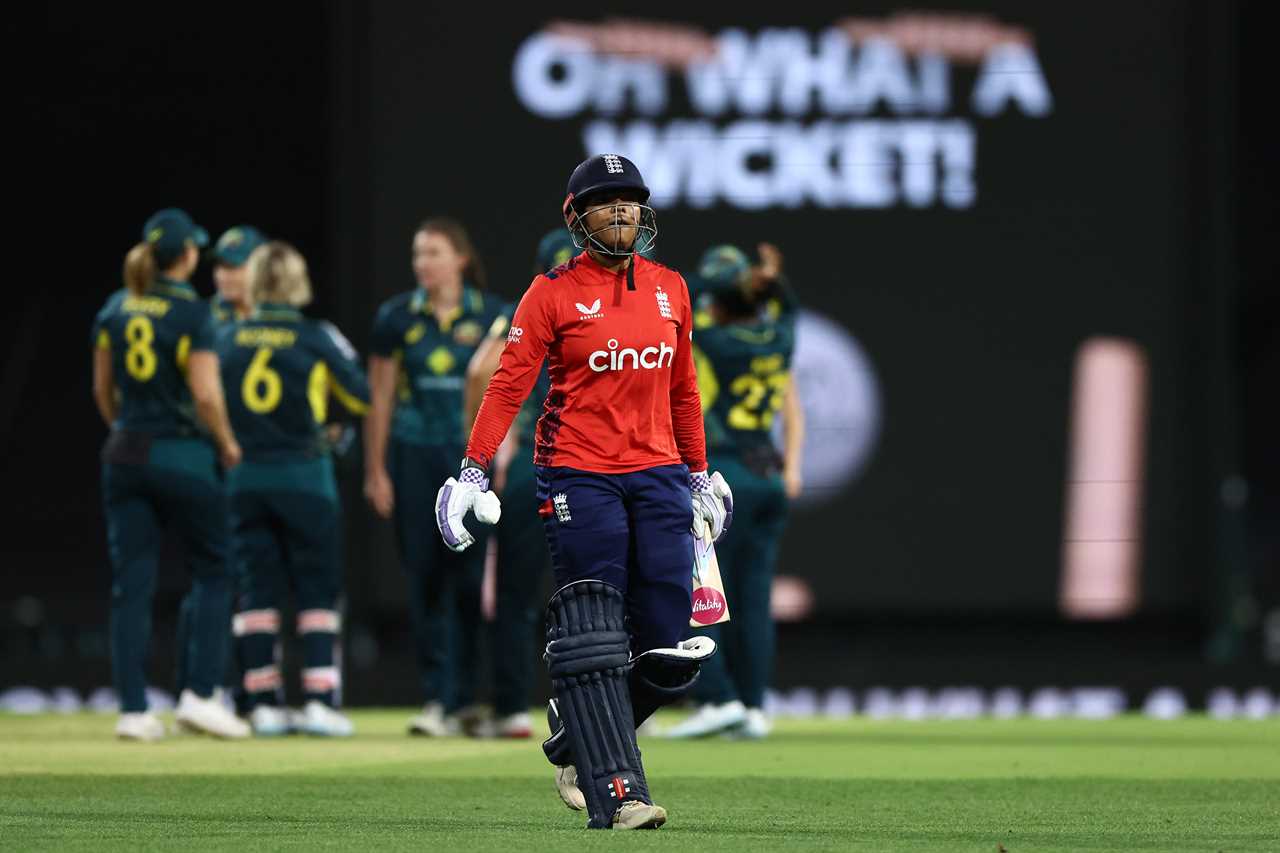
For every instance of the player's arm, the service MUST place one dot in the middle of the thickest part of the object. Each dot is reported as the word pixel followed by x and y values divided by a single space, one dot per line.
pixel 104 382
pixel 484 363
pixel 204 378
pixel 686 402
pixel 711 496
pixel 792 439
pixel 384 368
pixel 347 382
pixel 205 382
pixel 532 331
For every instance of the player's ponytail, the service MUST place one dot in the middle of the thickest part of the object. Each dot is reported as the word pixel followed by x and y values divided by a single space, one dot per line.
pixel 139 268
pixel 454 231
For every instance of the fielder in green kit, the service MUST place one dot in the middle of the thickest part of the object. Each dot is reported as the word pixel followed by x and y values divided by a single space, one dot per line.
pixel 231 303
pixel 743 344
pixel 280 370
pixel 421 344
pixel 156 385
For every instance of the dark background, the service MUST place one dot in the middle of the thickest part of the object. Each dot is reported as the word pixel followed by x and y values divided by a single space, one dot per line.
pixel 1144 206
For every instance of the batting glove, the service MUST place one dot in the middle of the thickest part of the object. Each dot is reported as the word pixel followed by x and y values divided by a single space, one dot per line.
pixel 470 491
pixel 712 504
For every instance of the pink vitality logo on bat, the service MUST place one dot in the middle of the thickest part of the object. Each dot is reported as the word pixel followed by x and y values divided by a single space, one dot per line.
pixel 709 604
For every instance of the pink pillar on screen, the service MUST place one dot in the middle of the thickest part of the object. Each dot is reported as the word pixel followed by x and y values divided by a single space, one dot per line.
pixel 1102 539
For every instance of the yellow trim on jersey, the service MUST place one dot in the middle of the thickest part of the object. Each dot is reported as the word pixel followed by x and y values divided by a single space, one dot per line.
pixel 184 352
pixel 104 340
pixel 318 391
pixel 350 402
pixel 708 384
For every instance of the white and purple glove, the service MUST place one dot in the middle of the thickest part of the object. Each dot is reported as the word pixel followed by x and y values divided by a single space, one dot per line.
pixel 712 504
pixel 470 491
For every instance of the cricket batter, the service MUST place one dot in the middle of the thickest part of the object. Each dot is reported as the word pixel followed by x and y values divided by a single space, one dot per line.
pixel 622 479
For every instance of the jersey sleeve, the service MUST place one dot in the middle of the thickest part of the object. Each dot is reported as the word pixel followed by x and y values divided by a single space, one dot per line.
pixel 686 404
pixel 203 331
pixel 99 337
pixel 347 381
pixel 502 322
pixel 386 337
pixel 531 332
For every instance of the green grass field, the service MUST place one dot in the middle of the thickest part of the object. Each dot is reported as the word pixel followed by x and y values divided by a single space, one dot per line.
pixel 1021 785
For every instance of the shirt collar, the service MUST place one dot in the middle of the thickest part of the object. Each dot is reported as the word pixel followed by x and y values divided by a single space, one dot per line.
pixel 174 287
pixel 275 309
pixel 471 301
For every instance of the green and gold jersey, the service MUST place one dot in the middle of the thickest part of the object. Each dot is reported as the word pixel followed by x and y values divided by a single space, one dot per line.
pixel 279 369
pixel 433 359
pixel 743 372
pixel 150 338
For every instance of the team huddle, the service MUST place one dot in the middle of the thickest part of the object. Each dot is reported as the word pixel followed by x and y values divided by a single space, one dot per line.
pixel 606 420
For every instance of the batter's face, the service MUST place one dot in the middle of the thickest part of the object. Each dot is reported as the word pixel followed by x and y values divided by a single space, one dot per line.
pixel 436 262
pixel 611 218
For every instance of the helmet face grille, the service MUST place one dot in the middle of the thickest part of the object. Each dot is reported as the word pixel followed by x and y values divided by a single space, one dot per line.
pixel 604 238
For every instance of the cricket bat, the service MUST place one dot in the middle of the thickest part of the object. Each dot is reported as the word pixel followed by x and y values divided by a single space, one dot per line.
pixel 709 604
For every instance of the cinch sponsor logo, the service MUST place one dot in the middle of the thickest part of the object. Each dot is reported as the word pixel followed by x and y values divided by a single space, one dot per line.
pixel 649 358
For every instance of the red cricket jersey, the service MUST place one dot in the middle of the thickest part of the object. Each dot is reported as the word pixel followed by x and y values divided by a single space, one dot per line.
pixel 624 394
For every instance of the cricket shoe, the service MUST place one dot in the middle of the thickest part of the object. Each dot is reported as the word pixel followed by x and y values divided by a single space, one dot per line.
pixel 709 720
pixel 271 721
pixel 756 726
pixel 322 721
pixel 511 726
pixel 209 716
pixel 634 814
pixel 471 720
pixel 433 723
pixel 567 787
pixel 140 726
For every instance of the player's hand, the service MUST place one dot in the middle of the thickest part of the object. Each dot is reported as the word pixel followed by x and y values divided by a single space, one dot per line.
pixel 792 481
pixel 712 504
pixel 231 454
pixel 769 268
pixel 469 492
pixel 379 492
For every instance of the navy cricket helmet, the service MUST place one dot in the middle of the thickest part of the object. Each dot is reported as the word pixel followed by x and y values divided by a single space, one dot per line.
pixel 590 182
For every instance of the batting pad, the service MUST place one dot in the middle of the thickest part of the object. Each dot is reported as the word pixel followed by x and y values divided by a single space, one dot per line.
pixel 588 658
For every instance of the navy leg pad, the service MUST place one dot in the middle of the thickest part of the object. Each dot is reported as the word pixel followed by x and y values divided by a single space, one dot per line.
pixel 588 658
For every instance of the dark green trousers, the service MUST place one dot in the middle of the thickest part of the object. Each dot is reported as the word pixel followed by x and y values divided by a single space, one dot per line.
pixel 149 486
pixel 522 563
pixel 444 587
pixel 743 666
pixel 286 540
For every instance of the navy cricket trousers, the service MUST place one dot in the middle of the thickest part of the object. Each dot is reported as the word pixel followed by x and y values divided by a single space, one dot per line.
pixel 630 530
